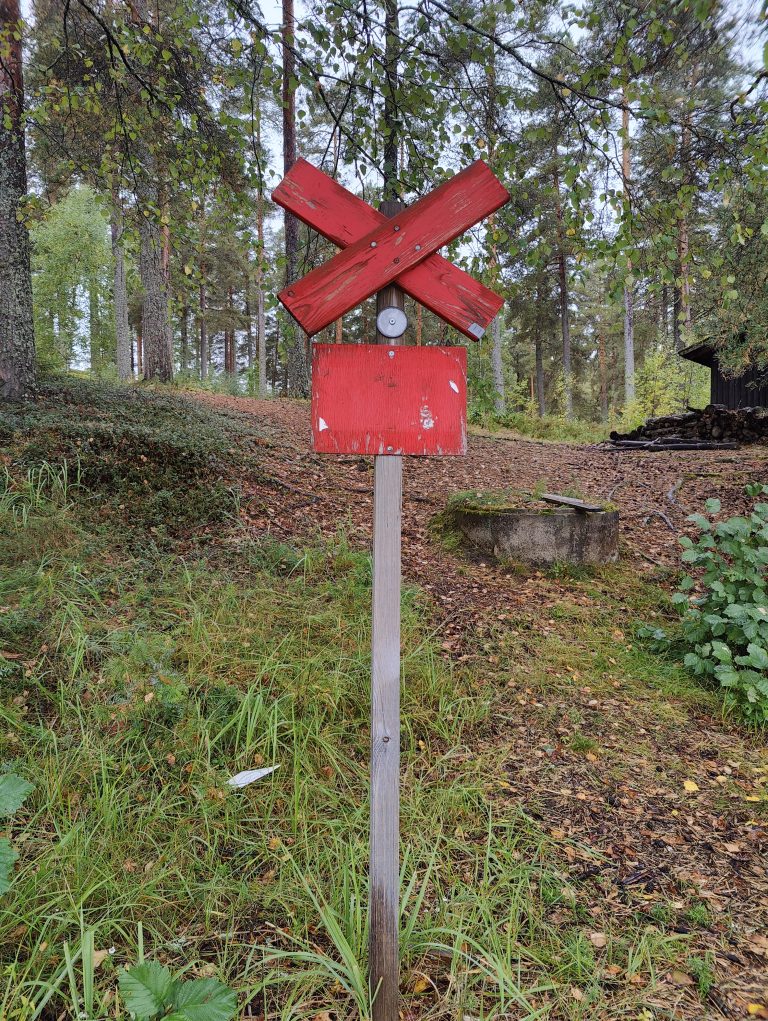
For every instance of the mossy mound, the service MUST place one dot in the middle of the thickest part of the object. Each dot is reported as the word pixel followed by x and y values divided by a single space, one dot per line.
pixel 153 458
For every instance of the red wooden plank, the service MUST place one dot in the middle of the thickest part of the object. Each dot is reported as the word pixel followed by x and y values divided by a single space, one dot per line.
pixel 392 247
pixel 377 399
pixel 337 214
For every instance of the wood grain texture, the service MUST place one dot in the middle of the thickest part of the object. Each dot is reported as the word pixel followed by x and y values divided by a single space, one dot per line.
pixel 385 738
pixel 384 891
pixel 343 218
pixel 395 246
pixel 389 400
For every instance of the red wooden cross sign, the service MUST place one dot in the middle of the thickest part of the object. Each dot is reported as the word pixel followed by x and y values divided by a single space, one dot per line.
pixel 400 401
pixel 388 400
pixel 378 251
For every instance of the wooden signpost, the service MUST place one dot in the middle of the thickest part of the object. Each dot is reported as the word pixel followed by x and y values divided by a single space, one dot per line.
pixel 388 400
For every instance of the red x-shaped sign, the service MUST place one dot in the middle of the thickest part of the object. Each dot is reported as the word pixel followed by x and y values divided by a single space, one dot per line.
pixel 378 251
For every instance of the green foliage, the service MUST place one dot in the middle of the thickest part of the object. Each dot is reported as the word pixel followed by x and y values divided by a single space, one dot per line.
pixel 72 268
pixel 555 428
pixel 13 792
pixel 151 992
pixel 665 384
pixel 725 605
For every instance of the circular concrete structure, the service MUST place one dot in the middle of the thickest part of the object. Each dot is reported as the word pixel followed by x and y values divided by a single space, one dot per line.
pixel 547 536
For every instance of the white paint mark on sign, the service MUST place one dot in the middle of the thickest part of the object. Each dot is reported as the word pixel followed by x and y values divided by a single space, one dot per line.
pixel 425 415
pixel 321 424
pixel 250 775
pixel 453 386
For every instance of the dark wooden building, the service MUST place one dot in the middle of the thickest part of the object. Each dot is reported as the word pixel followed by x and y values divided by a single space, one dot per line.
pixel 750 390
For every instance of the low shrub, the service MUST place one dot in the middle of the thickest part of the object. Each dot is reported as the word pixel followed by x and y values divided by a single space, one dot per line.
pixel 725 605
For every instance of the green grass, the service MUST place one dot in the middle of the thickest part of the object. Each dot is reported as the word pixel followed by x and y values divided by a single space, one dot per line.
pixel 553 428
pixel 138 676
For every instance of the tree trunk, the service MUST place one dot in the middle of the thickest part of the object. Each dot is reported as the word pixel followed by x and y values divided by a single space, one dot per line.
pixel 497 363
pixel 563 284
pixel 298 375
pixel 261 319
pixel 17 332
pixel 124 347
pixel 230 359
pixel 248 322
pixel 184 326
pixel 683 286
pixel 540 394
pixel 139 352
pixel 154 315
pixel 275 355
pixel 629 314
pixel 203 328
pixel 603 369
pixel 94 346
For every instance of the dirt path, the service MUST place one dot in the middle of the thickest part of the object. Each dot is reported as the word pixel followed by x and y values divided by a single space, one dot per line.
pixel 660 807
pixel 300 493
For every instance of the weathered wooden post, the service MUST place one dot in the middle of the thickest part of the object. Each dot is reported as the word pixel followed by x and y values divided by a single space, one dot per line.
pixel 388 401
pixel 384 963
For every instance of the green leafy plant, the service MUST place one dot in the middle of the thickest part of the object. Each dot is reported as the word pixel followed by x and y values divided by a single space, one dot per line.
pixel 725 607
pixel 151 991
pixel 13 791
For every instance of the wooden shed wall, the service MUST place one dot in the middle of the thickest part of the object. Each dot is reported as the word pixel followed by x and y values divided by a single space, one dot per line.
pixel 746 391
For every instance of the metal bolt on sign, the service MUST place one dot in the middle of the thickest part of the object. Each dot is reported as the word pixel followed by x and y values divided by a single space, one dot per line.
pixel 387 400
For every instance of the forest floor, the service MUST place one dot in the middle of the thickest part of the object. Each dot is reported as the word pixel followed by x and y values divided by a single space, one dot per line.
pixel 661 805
pixel 185 593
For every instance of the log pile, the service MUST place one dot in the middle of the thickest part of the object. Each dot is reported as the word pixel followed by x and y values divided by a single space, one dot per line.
pixel 712 428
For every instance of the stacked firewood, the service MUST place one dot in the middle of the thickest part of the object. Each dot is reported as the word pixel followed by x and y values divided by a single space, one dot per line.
pixel 712 428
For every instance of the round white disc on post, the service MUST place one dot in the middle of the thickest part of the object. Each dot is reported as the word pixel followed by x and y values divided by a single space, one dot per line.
pixel 391 322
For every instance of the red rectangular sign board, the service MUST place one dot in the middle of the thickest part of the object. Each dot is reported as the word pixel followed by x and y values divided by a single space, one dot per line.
pixel 382 399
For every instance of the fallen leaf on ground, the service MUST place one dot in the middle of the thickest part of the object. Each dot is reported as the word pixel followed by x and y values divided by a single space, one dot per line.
pixel 691 786
pixel 679 978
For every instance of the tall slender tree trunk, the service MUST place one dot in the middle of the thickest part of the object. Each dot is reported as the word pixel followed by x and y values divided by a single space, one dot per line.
pixel 154 316
pixel 298 374
pixel 184 331
pixel 276 354
pixel 539 355
pixel 202 298
pixel 139 352
pixel 261 319
pixel 683 288
pixel 17 332
pixel 602 364
pixel 562 276
pixel 248 321
pixel 497 364
pixel 230 357
pixel 497 358
pixel 261 328
pixel 158 364
pixel 165 231
pixel 629 312
pixel 94 329
pixel 120 288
